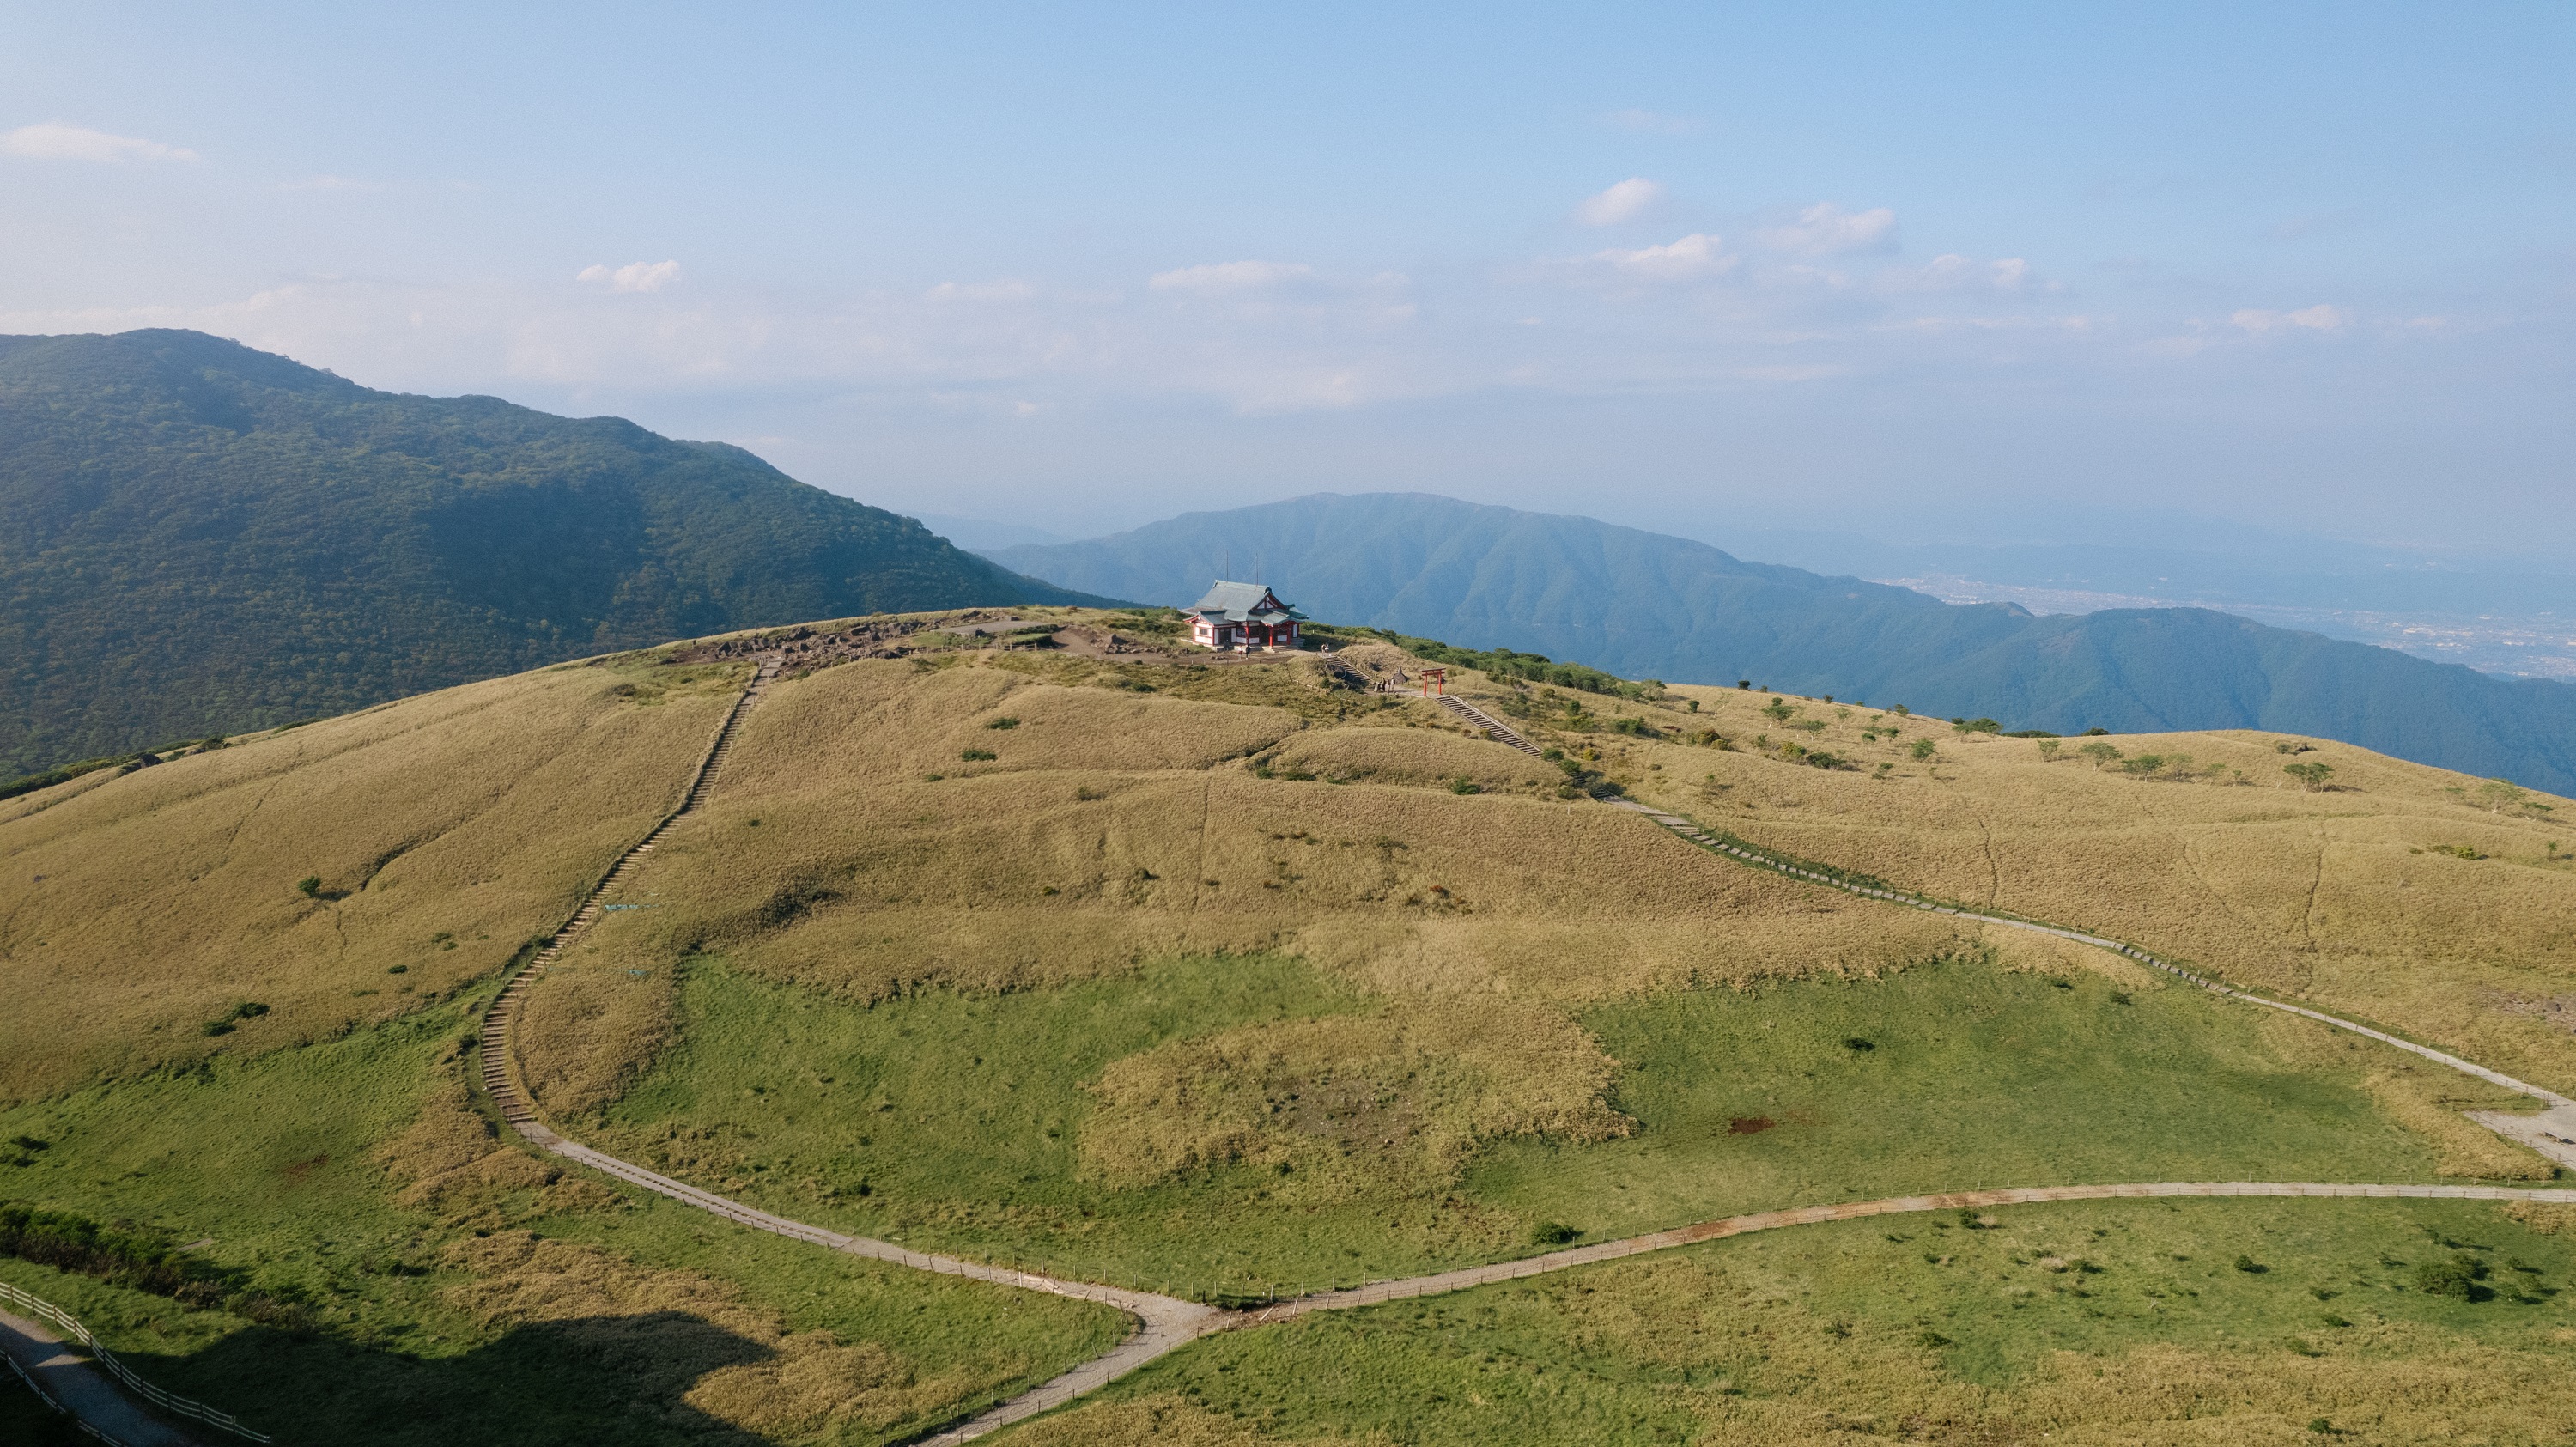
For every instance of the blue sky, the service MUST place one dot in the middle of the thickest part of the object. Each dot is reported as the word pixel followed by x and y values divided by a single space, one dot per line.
pixel 1974 271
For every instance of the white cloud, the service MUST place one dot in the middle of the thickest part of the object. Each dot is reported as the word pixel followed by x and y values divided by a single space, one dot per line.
pixel 634 276
pixel 1793 372
pixel 1226 277
pixel 1697 255
pixel 1826 229
pixel 1623 202
pixel 1953 272
pixel 981 291
pixel 54 141
pixel 2318 318
pixel 1653 123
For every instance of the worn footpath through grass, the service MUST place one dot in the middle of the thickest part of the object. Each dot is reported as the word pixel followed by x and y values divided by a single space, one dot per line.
pixel 2165 1322
pixel 434 1284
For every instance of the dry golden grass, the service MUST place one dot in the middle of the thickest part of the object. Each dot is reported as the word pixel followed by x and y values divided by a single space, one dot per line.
pixel 445 831
pixel 1432 757
pixel 2336 897
pixel 1114 827
pixel 1165 1420
pixel 1337 1105
pixel 750 1371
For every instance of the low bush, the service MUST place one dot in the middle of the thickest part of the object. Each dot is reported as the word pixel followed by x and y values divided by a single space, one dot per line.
pixel 2455 1275
pixel 63 775
pixel 137 1260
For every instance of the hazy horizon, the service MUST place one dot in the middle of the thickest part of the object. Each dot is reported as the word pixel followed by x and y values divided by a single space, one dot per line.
pixel 2170 277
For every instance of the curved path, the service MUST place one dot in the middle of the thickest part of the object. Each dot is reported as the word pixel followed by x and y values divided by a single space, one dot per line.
pixel 1718 1230
pixel 1161 1323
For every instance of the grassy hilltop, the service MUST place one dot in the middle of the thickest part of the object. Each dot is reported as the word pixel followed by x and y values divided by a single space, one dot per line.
pixel 1217 976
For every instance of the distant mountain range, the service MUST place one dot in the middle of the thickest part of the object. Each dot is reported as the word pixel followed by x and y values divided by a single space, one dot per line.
pixel 1646 605
pixel 196 537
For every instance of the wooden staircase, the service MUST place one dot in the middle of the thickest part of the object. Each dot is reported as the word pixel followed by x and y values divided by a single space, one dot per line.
pixel 494 1049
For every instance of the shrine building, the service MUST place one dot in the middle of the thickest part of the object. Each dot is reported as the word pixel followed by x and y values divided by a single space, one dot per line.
pixel 1242 617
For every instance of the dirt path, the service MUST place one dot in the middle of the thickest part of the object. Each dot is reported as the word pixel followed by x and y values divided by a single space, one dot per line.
pixel 2552 1133
pixel 71 1383
pixel 1161 1323
pixel 1719 1230
pixel 68 1383
pixel 1158 1323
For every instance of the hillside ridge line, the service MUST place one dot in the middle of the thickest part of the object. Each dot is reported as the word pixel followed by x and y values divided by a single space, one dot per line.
pixel 1159 1324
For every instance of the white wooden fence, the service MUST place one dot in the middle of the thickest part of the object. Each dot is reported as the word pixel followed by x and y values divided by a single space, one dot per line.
pixel 175 1405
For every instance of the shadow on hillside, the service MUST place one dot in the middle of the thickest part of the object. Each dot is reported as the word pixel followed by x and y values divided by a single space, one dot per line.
pixel 589 1380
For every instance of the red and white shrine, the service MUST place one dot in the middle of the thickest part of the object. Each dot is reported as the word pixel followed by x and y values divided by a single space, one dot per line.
pixel 1241 617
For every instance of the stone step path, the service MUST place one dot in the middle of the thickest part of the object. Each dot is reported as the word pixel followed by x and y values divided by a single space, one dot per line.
pixel 1501 731
pixel 495 1060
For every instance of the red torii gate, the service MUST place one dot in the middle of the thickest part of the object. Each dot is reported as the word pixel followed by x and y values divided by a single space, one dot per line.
pixel 1434 680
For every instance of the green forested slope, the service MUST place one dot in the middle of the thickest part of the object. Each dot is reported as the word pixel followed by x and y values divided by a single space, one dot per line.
pixel 196 537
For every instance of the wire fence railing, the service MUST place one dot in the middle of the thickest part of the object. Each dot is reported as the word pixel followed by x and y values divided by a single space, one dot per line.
pixel 170 1402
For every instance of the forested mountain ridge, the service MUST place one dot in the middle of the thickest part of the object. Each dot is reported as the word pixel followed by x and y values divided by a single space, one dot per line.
pixel 196 537
pixel 1644 604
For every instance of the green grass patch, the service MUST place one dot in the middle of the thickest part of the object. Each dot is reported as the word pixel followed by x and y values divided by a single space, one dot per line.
pixel 274 1159
pixel 1964 1076
pixel 1853 1328
pixel 950 1121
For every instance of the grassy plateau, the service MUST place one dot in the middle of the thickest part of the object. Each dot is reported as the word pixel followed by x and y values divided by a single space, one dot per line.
pixel 1217 976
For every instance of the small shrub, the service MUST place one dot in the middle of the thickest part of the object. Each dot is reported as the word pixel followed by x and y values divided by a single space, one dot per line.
pixel 974 756
pixel 2321 1426
pixel 2250 1266
pixel 224 1024
pixel 2455 1275
pixel 1466 786
pixel 1854 1042
pixel 1930 1339
pixel 1975 726
pixel 1923 750
pixel 2311 777
pixel 1085 794
pixel 397 969
pixel 2048 750
pixel 310 886
pixel 1554 1233
pixel 1001 723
